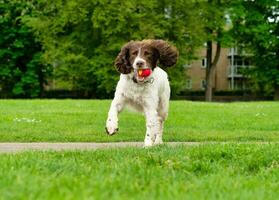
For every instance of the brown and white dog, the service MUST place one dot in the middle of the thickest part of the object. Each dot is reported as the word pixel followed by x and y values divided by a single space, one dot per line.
pixel 148 94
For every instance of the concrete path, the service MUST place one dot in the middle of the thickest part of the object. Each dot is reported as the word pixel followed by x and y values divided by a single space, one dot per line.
pixel 17 147
pixel 44 146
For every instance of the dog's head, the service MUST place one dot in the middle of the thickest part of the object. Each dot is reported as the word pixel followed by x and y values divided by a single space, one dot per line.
pixel 141 55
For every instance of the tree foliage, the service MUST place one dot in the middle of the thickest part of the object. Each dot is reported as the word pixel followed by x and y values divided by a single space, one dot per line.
pixel 78 40
pixel 83 37
pixel 256 25
pixel 21 72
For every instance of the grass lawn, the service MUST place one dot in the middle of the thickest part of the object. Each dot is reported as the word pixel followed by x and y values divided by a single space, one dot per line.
pixel 212 171
pixel 84 120
pixel 209 171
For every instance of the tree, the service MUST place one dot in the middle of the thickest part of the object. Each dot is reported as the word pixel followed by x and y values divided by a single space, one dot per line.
pixel 83 37
pixel 256 26
pixel 213 18
pixel 21 72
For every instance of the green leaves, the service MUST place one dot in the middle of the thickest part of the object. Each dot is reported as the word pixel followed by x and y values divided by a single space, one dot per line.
pixel 21 71
pixel 83 37
pixel 257 27
pixel 79 39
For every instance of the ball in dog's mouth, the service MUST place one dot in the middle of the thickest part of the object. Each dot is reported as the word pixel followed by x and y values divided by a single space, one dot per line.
pixel 143 73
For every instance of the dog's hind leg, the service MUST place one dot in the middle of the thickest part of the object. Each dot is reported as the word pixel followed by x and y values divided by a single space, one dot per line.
pixel 163 110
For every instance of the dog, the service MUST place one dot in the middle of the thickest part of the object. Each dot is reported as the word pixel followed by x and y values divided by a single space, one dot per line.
pixel 143 85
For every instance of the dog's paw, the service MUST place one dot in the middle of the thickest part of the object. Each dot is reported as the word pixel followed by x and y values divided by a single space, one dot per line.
pixel 111 131
pixel 111 127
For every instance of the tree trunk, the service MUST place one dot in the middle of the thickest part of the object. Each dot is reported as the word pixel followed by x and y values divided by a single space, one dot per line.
pixel 210 69
pixel 208 75
pixel 208 88
pixel 210 66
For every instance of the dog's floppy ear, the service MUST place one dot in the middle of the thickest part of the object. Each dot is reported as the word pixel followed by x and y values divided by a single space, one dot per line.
pixel 122 62
pixel 167 54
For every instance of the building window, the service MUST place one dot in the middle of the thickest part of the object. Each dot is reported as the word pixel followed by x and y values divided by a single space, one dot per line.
pixel 238 62
pixel 238 65
pixel 238 85
pixel 188 84
pixel 203 84
pixel 204 63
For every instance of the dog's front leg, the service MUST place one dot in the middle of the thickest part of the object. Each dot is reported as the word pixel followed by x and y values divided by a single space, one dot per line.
pixel 152 127
pixel 117 105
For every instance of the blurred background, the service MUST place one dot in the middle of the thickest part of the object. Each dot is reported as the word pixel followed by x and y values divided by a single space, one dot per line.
pixel 66 48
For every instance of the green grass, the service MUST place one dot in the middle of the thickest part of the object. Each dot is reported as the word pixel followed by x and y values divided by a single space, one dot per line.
pixel 230 171
pixel 209 171
pixel 84 120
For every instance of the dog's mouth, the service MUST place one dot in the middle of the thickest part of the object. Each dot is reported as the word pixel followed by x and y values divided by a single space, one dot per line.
pixel 142 75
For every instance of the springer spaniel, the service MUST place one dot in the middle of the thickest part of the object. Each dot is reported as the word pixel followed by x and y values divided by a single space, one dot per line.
pixel 143 85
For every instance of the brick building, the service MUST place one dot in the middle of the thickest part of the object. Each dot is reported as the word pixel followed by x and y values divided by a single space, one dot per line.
pixel 228 74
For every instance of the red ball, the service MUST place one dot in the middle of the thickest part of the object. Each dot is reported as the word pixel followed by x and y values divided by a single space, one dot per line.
pixel 144 72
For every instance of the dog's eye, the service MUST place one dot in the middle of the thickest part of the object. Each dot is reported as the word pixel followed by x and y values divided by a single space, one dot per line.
pixel 135 53
pixel 147 53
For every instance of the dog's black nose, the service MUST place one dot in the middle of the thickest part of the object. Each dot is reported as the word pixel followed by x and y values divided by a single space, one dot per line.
pixel 139 63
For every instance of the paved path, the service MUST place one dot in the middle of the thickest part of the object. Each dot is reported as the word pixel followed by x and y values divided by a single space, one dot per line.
pixel 43 146
pixel 18 147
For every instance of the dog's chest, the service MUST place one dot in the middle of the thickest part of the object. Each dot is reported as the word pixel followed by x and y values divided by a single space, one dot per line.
pixel 137 93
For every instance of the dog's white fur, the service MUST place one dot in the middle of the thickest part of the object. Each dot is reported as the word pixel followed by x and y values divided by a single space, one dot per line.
pixel 151 98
